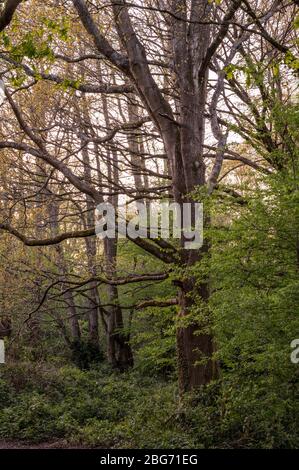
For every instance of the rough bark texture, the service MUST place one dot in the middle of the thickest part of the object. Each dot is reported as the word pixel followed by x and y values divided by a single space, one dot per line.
pixel 191 50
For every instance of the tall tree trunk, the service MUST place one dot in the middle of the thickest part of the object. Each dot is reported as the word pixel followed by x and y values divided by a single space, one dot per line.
pixel 119 350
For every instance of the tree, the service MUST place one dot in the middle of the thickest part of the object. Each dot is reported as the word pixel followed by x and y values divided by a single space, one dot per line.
pixel 7 12
pixel 172 80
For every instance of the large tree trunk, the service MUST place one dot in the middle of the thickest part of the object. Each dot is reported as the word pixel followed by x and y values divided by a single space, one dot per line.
pixel 183 145
pixel 183 135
